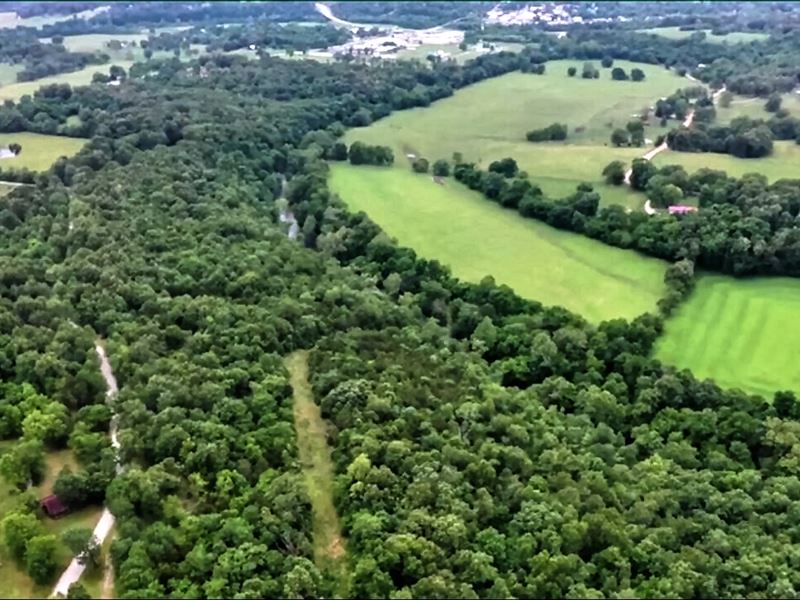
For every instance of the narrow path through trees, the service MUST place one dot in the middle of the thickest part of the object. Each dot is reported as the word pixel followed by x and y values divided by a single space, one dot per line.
pixel 75 569
pixel 315 459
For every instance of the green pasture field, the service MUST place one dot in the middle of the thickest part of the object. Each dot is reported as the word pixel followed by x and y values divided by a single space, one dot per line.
pixel 14 581
pixel 12 20
pixel 39 152
pixel 783 163
pixel 453 51
pixel 8 73
pixel 15 91
pixel 675 33
pixel 743 333
pixel 488 121
pixel 742 106
pixel 475 237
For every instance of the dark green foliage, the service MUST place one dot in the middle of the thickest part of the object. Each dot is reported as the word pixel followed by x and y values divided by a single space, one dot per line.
pixel 614 172
pixel 553 132
pixel 441 168
pixel 420 165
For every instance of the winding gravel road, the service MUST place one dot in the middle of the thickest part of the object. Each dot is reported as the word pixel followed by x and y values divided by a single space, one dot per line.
pixel 73 572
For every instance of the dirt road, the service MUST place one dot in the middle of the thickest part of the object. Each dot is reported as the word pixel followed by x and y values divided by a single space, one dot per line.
pixel 75 570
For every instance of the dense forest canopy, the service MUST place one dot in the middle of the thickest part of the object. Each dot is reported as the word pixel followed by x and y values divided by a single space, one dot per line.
pixel 483 445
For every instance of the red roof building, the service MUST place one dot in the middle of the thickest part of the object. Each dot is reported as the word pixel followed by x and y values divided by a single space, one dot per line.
pixel 54 507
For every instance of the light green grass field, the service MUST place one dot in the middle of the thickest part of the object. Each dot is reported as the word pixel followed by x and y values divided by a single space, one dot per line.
pixel 453 51
pixel 743 333
pixel 488 120
pixel 315 458
pixel 8 73
pixel 14 581
pixel 15 91
pixel 11 19
pixel 475 237
pixel 783 163
pixel 39 152
pixel 742 106
pixel 674 33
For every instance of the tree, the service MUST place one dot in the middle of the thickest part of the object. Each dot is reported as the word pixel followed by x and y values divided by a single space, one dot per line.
pixel 40 558
pixel 725 99
pixel 23 463
pixel 620 137
pixel 614 172
pixel 83 545
pixel 441 168
pixel 636 129
pixel 463 46
pixel 148 53
pixel 773 103
pixel 420 165
pixel 78 592
pixel 619 74
pixel 589 71
pixel 338 151
pixel 607 61
pixel 15 148
pixel 507 167
pixel 18 529
pixel 571 71
pixel 637 74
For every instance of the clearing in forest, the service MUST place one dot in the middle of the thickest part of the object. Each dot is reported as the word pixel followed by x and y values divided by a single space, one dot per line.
pixel 15 91
pixel 743 333
pixel 476 237
pixel 489 120
pixel 315 458
pixel 39 151
pixel 736 37
pixel 781 164
pixel 14 580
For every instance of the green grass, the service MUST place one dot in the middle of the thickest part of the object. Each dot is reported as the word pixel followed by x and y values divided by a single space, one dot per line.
pixel 675 33
pixel 783 163
pixel 488 120
pixel 8 73
pixel 754 108
pixel 743 333
pixel 315 458
pixel 10 19
pixel 475 237
pixel 15 91
pixel 14 581
pixel 453 51
pixel 39 151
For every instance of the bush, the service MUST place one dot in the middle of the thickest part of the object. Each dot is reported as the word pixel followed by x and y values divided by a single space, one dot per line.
pixel 614 172
pixel 773 103
pixel 441 168
pixel 552 133
pixel 420 165
pixel 637 74
pixel 619 74
pixel 607 62
pixel 572 71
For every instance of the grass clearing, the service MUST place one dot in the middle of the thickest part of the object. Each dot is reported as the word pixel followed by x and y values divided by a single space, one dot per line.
pixel 736 37
pixel 783 163
pixel 488 121
pixel 15 91
pixel 453 51
pixel 743 106
pixel 8 73
pixel 475 237
pixel 743 333
pixel 39 152
pixel 315 458
pixel 14 581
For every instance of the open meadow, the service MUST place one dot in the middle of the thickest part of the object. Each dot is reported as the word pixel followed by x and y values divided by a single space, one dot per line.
pixel 15 91
pixel 736 37
pixel 742 106
pixel 476 237
pixel 743 333
pixel 783 163
pixel 489 120
pixel 39 152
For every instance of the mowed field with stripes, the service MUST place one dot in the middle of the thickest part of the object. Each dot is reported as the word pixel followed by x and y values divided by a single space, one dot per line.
pixel 743 333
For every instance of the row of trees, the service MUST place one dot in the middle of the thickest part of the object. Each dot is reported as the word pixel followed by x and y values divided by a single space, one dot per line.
pixel 551 133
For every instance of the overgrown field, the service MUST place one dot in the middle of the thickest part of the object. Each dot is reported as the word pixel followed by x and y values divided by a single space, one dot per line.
pixel 741 332
pixel 15 91
pixel 476 238
pixel 39 152
pixel 784 162
pixel 675 33
pixel 488 120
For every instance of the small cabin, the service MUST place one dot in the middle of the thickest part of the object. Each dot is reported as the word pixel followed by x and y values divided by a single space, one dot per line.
pixel 53 507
